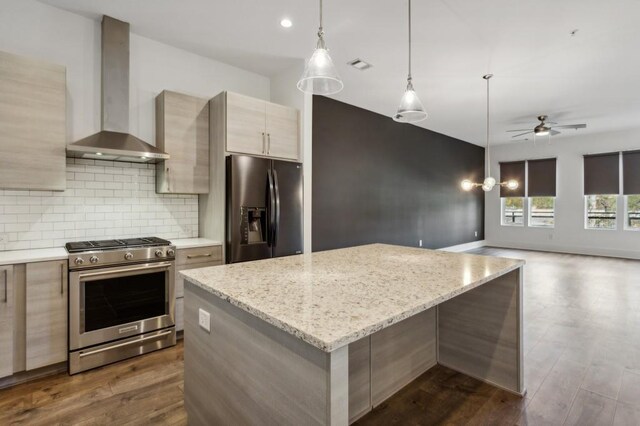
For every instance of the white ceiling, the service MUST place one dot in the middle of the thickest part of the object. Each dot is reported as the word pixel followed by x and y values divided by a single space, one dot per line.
pixel 593 77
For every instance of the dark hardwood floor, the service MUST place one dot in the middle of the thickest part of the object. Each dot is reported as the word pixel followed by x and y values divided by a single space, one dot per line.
pixel 582 365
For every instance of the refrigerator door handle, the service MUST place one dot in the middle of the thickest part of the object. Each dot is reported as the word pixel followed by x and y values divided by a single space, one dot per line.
pixel 277 208
pixel 271 210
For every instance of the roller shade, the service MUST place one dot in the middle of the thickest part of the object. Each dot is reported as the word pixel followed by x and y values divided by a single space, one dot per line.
pixel 602 174
pixel 631 172
pixel 512 170
pixel 542 178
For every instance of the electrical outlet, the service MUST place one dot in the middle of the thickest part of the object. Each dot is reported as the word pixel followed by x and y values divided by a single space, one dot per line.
pixel 476 234
pixel 204 319
pixel 420 243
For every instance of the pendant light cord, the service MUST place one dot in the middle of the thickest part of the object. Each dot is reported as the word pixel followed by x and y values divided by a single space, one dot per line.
pixel 320 30
pixel 409 75
pixel 488 131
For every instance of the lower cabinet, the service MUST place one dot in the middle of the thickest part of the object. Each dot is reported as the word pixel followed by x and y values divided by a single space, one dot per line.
pixel 6 321
pixel 192 258
pixel 46 308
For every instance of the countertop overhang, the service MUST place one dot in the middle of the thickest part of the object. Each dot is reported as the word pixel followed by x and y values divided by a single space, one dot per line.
pixel 332 298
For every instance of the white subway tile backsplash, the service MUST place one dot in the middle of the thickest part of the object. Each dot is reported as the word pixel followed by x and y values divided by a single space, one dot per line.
pixel 104 199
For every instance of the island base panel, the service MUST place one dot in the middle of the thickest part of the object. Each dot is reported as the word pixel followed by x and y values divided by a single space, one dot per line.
pixel 247 372
pixel 383 363
pixel 480 333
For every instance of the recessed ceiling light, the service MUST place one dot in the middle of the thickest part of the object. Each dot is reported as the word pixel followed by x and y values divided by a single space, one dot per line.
pixel 286 23
pixel 359 64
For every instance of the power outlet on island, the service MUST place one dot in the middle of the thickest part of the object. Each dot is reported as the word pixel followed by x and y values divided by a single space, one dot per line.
pixel 420 243
pixel 204 320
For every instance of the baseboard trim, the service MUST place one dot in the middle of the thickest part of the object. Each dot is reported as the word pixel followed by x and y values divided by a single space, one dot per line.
pixel 27 376
pixel 464 247
pixel 602 252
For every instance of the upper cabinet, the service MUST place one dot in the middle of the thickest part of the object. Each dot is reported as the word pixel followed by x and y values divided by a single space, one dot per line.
pixel 257 127
pixel 182 130
pixel 32 124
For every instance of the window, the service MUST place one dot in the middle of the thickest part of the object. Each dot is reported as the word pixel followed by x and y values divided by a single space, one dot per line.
pixel 601 211
pixel 542 211
pixel 632 203
pixel 631 189
pixel 601 189
pixel 513 211
pixel 541 189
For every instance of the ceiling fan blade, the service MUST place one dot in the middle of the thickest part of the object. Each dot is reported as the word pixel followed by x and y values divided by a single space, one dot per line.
pixel 571 126
pixel 519 130
pixel 522 134
pixel 554 132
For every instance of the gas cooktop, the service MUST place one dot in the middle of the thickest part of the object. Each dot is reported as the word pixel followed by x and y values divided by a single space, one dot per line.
pixel 83 246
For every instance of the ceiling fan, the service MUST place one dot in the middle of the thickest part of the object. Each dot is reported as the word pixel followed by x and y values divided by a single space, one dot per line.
pixel 546 128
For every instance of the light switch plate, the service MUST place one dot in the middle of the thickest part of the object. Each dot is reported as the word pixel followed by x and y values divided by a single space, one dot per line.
pixel 204 319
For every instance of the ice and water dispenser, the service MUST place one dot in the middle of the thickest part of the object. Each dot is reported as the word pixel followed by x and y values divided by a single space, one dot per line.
pixel 253 225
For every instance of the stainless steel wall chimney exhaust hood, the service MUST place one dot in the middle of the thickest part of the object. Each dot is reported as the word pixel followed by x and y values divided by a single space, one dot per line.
pixel 114 141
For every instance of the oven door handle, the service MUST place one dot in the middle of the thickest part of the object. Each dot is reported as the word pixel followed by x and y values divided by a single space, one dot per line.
pixel 163 265
pixel 133 342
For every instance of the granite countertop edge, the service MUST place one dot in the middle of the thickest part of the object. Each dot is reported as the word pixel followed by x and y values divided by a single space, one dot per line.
pixel 330 346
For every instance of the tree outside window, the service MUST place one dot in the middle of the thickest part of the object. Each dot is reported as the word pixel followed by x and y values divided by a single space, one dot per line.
pixel 513 211
pixel 633 212
pixel 601 211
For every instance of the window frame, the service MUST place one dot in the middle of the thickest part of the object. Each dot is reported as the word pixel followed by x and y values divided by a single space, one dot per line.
pixel 502 215
pixel 530 210
pixel 586 213
pixel 626 226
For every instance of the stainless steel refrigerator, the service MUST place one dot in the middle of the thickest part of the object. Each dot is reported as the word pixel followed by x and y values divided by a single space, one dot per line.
pixel 264 208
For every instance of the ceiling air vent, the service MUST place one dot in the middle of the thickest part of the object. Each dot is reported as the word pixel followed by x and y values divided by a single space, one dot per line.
pixel 359 64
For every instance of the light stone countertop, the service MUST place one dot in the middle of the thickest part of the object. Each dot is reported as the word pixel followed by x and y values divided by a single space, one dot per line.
pixel 186 243
pixel 332 298
pixel 14 257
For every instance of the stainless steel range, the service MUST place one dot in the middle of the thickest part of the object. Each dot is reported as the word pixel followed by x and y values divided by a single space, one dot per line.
pixel 121 300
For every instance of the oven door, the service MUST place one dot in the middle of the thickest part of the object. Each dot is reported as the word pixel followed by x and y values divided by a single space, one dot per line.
pixel 113 303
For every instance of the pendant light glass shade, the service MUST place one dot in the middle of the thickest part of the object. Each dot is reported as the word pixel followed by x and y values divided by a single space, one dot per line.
pixel 320 76
pixel 410 109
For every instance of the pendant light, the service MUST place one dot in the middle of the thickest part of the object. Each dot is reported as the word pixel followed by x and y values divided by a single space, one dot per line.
pixel 320 76
pixel 489 182
pixel 410 109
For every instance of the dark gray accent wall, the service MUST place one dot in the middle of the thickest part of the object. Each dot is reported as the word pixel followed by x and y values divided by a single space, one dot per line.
pixel 375 180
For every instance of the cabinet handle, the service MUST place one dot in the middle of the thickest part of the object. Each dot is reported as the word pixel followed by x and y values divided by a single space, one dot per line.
pixel 61 278
pixel 6 284
pixel 268 143
pixel 195 256
pixel 168 181
pixel 263 143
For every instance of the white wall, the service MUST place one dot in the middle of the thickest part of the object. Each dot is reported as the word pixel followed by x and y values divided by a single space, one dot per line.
pixel 36 30
pixel 285 92
pixel 569 234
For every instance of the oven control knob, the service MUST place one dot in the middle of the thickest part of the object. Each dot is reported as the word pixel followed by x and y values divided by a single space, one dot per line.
pixel 159 253
pixel 128 256
pixel 171 252
pixel 93 259
pixel 78 261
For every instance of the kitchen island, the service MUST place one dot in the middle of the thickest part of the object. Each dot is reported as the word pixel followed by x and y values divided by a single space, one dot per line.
pixel 323 338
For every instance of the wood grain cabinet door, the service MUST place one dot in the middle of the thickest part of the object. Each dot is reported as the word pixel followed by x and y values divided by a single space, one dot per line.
pixel 6 320
pixel 46 284
pixel 246 126
pixel 282 132
pixel 32 124
pixel 182 130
